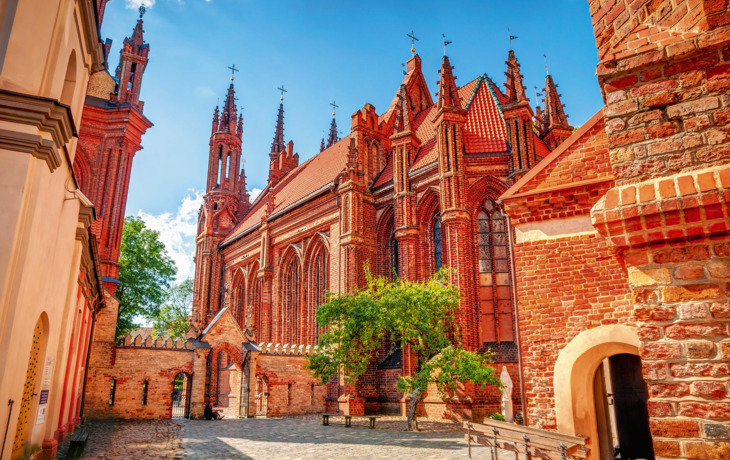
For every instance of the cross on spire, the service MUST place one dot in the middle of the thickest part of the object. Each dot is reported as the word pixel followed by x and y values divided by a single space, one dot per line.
pixel 413 41
pixel 142 10
pixel 511 37
pixel 547 72
pixel 281 88
pixel 334 107
pixel 233 70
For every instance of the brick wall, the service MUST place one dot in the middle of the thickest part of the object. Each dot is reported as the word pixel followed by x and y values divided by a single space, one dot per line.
pixel 134 366
pixel 292 389
pixel 665 74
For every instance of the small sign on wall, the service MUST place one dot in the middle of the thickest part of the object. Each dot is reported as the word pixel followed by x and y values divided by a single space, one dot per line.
pixel 45 388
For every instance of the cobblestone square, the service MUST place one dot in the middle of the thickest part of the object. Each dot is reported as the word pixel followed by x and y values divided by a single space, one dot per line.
pixel 273 438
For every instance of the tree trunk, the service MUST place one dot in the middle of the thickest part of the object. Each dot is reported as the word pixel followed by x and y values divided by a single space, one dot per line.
pixel 412 404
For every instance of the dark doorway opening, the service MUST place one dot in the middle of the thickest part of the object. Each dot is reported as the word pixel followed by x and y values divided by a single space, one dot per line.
pixel 621 412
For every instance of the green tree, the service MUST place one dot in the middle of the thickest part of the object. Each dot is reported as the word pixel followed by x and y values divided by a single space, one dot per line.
pixel 419 315
pixel 172 319
pixel 145 274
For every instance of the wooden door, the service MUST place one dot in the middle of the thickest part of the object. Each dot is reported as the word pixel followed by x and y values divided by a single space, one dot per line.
pixel 31 376
pixel 632 417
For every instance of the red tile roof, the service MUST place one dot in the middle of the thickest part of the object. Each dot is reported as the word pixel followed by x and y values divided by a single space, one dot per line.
pixel 541 149
pixel 308 177
pixel 485 131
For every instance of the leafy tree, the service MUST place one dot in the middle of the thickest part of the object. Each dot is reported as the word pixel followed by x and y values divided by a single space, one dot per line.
pixel 145 274
pixel 172 319
pixel 419 315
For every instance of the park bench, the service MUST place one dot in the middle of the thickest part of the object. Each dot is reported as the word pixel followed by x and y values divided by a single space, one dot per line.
pixel 529 442
pixel 78 441
pixel 348 419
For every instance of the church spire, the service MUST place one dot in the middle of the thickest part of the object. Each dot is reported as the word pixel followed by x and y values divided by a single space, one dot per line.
pixel 277 145
pixel 554 113
pixel 333 138
pixel 515 89
pixel 447 94
pixel 229 115
pixel 132 62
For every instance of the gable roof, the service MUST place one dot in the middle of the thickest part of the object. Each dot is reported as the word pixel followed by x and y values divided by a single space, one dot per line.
pixel 551 172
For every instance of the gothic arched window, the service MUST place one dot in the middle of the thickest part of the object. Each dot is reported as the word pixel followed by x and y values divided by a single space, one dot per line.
pixel 438 259
pixel 495 292
pixel 291 302
pixel 394 253
pixel 318 284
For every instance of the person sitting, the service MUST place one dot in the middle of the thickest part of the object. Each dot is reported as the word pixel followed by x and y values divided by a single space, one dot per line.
pixel 210 413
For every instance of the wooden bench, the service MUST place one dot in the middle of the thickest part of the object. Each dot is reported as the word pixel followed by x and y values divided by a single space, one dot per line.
pixel 348 419
pixel 78 441
pixel 530 442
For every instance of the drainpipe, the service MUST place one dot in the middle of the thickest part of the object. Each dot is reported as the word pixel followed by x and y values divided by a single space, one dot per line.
pixel 517 312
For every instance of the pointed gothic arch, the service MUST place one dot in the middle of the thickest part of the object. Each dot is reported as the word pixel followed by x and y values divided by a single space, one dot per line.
pixel 317 277
pixel 253 302
pixel 290 294
pixel 386 257
pixel 237 302
pixel 429 220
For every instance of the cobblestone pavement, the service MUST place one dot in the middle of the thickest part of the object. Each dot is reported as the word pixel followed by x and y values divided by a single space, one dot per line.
pixel 276 438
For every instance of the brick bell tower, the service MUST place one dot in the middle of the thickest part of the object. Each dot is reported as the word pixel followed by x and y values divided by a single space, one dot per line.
pixel 110 135
pixel 224 204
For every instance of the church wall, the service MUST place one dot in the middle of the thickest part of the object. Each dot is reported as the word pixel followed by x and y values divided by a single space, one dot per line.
pixel 667 119
pixel 46 54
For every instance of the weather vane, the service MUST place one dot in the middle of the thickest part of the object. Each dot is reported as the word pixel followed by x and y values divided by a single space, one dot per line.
pixel 281 88
pixel 511 37
pixel 413 42
pixel 446 43
pixel 537 94
pixel 142 10
pixel 233 70
pixel 547 72
pixel 334 107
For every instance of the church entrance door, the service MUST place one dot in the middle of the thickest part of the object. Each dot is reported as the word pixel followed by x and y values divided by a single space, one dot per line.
pixel 622 415
pixel 181 395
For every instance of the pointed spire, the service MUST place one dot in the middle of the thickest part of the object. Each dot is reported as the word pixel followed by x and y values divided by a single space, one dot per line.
pixel 277 146
pixel 321 146
pixel 332 139
pixel 554 113
pixel 239 131
pixel 229 115
pixel 447 94
pixel 216 119
pixel 515 89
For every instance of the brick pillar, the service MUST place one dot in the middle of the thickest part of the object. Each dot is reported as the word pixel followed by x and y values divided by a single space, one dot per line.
pixel 197 392
pixel 665 74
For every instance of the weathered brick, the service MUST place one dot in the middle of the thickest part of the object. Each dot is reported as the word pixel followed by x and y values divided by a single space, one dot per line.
pixel 697 106
pixel 706 450
pixel 661 350
pixel 684 331
pixel 674 428
pixel 714 390
pixel 698 349
pixel 689 272
pixel 690 292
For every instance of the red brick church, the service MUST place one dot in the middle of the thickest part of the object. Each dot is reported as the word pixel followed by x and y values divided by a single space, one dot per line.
pixel 594 262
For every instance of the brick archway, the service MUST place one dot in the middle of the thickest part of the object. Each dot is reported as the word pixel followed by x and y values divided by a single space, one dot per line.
pixel 574 376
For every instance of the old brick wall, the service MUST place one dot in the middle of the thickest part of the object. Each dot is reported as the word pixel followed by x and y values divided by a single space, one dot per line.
pixel 292 389
pixel 665 74
pixel 134 366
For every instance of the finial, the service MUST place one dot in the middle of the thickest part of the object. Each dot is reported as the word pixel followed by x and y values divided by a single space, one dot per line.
pixel 142 10
pixel 281 88
pixel 547 72
pixel 537 94
pixel 233 70
pixel 413 42
pixel 511 37
pixel 334 107
pixel 446 43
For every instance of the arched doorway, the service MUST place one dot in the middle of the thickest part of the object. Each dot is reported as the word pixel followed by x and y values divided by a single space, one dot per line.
pixel 262 395
pixel 30 395
pixel 600 393
pixel 181 387
pixel 243 410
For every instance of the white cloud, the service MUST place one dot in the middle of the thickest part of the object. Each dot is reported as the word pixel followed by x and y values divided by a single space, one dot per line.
pixel 205 92
pixel 178 231
pixel 135 4
pixel 255 192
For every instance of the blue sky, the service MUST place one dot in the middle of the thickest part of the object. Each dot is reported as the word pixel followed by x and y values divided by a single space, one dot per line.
pixel 320 51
